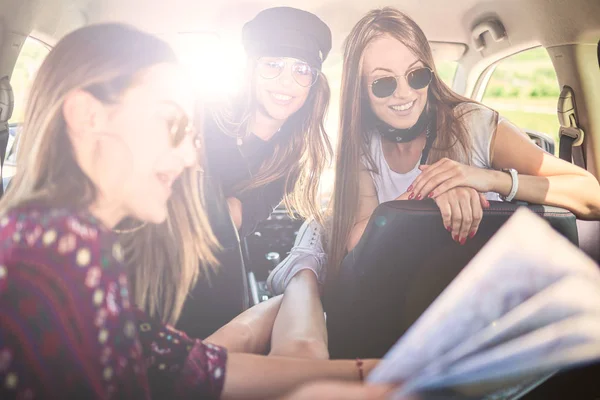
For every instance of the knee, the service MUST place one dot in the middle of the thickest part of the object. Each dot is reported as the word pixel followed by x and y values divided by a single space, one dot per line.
pixel 302 348
pixel 236 337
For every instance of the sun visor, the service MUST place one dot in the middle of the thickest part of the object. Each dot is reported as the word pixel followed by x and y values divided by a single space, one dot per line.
pixel 447 51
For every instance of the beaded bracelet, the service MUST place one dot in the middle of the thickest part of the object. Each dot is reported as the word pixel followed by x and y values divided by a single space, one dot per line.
pixel 359 365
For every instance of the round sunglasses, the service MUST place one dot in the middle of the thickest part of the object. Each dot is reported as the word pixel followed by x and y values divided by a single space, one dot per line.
pixel 303 74
pixel 418 78
pixel 179 127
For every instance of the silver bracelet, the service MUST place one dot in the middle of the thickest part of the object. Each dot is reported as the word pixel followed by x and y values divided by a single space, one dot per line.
pixel 515 184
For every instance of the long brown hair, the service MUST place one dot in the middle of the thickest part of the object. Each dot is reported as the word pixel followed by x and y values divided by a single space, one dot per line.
pixel 355 133
pixel 105 60
pixel 165 261
pixel 300 156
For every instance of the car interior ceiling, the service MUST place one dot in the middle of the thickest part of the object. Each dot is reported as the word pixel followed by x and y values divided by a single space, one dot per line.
pixel 568 30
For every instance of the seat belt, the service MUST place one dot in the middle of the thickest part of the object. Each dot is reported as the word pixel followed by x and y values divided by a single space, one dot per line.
pixel 570 134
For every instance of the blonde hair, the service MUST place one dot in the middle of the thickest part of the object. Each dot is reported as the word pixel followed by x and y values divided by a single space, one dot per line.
pixel 300 156
pixel 452 141
pixel 164 260
pixel 105 60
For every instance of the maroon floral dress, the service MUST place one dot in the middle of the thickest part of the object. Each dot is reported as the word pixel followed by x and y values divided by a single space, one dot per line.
pixel 68 328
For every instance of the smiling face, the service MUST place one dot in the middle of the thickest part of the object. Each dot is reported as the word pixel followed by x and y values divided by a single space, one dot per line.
pixel 135 149
pixel 282 86
pixel 385 57
pixel 151 115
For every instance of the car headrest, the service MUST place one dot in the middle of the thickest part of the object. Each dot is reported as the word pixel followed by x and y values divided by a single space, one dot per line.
pixel 7 102
pixel 403 261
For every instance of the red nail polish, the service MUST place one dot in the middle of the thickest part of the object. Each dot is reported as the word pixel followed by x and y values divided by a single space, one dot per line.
pixel 419 197
pixel 449 228
pixel 456 238
pixel 410 188
pixel 431 195
pixel 411 196
pixel 471 235
pixel 463 241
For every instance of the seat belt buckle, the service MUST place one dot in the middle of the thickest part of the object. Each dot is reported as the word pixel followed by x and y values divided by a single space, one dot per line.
pixel 572 132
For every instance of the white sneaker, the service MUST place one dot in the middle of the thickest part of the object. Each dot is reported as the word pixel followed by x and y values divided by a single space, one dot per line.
pixel 307 253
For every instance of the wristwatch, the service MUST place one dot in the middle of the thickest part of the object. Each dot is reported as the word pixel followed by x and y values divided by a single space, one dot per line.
pixel 515 184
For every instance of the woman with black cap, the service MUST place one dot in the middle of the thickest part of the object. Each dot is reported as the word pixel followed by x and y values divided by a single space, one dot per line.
pixel 269 145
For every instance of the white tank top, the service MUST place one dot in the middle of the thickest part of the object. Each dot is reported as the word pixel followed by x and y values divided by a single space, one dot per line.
pixel 480 121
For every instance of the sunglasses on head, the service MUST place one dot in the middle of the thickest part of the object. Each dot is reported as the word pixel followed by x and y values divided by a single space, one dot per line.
pixel 303 74
pixel 418 78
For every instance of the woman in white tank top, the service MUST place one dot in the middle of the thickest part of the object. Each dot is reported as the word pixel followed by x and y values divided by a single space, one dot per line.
pixel 405 135
pixel 392 101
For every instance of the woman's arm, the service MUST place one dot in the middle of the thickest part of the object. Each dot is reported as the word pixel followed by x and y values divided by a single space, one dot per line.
pixel 543 178
pixel 258 377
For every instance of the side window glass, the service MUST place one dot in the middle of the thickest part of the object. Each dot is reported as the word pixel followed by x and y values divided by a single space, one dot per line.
pixel 447 71
pixel 524 89
pixel 30 58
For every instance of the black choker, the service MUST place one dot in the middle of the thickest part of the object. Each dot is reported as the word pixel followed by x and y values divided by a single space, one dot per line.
pixel 405 135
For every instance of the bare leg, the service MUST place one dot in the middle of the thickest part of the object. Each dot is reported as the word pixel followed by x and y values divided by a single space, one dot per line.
pixel 249 332
pixel 300 329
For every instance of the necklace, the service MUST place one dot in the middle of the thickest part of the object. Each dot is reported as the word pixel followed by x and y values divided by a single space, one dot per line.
pixel 130 230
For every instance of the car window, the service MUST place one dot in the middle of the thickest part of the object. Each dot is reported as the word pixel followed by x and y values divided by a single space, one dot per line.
pixel 524 88
pixel 30 58
pixel 446 70
pixel 32 54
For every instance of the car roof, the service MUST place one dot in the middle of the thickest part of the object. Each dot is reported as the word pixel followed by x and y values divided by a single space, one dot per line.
pixel 546 22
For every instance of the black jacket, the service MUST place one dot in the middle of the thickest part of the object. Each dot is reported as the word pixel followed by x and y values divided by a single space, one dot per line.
pixel 229 164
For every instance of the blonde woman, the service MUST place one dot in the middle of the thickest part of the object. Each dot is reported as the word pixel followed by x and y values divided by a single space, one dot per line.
pixel 107 138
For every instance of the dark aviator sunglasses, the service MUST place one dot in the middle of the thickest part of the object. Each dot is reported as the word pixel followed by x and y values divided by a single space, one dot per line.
pixel 417 79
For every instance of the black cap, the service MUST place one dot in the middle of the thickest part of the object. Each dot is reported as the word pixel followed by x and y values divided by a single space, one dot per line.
pixel 288 32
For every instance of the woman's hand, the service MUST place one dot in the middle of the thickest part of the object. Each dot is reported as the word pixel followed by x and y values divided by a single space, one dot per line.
pixel 438 178
pixel 462 211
